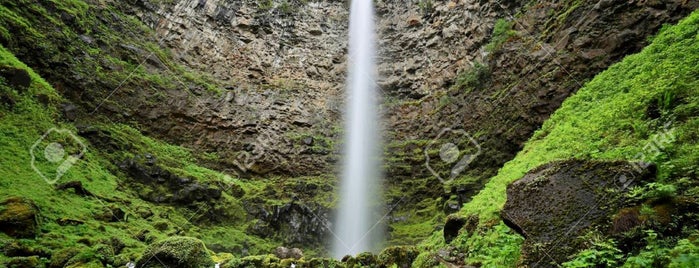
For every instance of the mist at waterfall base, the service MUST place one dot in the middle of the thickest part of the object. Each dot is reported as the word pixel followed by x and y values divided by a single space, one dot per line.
pixel 357 226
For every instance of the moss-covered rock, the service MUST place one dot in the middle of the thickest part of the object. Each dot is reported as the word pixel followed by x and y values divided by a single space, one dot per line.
pixel 401 257
pixel 253 261
pixel 61 257
pixel 92 264
pixel 23 248
pixel 16 77
pixel 323 263
pixel 560 201
pixel 178 251
pixel 24 262
pixel 365 259
pixel 19 217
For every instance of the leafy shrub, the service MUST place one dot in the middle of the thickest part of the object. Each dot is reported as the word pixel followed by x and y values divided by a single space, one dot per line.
pixel 653 190
pixel 653 255
pixel 602 253
pixel 685 253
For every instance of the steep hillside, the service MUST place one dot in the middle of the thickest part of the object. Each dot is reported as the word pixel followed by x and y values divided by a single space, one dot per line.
pixel 512 63
pixel 642 109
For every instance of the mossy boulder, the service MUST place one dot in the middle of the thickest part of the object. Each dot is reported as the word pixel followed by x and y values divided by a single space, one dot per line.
pixel 91 264
pixel 253 261
pixel 553 205
pixel 23 248
pixel 24 262
pixel 60 258
pixel 19 217
pixel 401 257
pixel 323 263
pixel 366 259
pixel 179 251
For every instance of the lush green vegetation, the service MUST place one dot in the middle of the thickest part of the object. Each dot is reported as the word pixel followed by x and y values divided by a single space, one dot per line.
pixel 643 108
pixel 26 120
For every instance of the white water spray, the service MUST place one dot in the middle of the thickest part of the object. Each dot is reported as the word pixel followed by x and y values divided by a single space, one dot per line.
pixel 357 224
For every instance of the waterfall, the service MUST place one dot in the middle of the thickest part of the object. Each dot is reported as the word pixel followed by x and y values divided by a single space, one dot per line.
pixel 357 223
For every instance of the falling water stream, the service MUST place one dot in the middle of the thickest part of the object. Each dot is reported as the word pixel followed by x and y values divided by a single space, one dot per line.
pixel 356 226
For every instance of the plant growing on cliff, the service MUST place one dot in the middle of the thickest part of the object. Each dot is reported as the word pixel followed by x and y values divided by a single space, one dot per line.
pixel 653 190
pixel 426 7
pixel 473 79
pixel 501 33
pixel 265 5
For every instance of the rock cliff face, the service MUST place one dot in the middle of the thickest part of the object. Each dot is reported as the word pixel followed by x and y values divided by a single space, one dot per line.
pixel 282 64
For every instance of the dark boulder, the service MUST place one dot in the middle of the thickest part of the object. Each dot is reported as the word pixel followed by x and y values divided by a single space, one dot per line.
pixel 296 224
pixel 288 253
pixel 69 111
pixel 15 77
pixel 19 217
pixel 556 203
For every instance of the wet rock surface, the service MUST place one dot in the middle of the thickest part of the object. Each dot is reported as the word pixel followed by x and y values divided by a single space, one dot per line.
pixel 551 206
pixel 280 74
pixel 296 224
